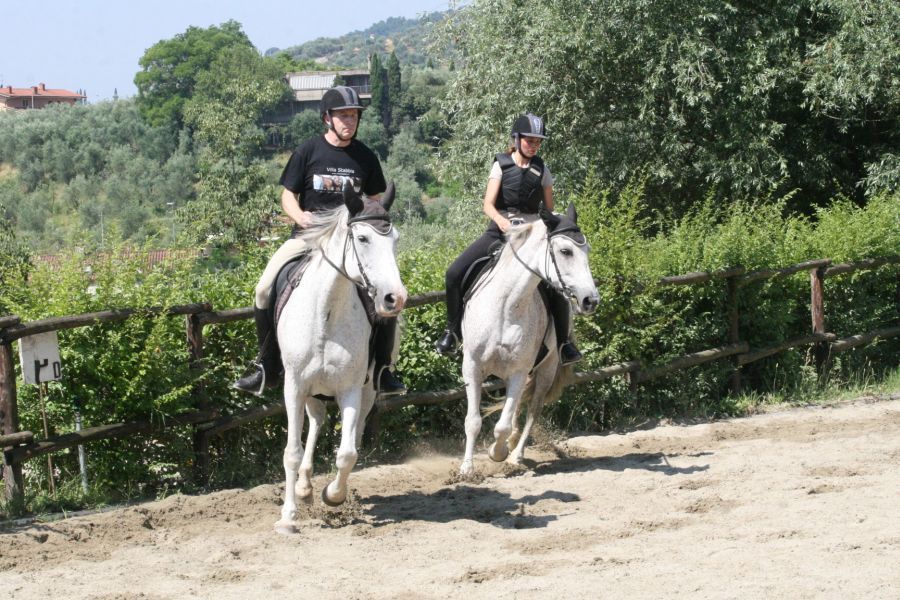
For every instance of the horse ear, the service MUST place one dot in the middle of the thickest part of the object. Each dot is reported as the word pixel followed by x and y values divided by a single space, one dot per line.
pixel 571 213
pixel 549 219
pixel 352 200
pixel 388 197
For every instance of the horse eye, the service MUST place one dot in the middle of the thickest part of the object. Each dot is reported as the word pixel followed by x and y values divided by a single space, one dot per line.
pixel 362 239
pixel 566 252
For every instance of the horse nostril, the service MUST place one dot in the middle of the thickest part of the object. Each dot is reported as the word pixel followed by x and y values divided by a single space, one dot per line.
pixel 590 303
pixel 390 299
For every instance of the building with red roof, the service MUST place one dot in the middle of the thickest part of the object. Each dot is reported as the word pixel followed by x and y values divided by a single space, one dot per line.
pixel 36 96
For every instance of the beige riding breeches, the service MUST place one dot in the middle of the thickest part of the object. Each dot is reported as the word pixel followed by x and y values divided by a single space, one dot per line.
pixel 289 249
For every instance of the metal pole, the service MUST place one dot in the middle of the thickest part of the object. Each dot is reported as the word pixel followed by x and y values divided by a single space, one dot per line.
pixel 82 459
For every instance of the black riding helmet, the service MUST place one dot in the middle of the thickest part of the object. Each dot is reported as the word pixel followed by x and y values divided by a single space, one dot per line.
pixel 339 97
pixel 527 125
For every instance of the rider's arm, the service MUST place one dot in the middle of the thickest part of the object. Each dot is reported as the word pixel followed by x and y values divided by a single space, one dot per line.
pixel 490 205
pixel 548 198
pixel 290 204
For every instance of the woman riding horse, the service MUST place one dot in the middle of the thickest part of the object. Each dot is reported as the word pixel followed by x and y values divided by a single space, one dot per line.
pixel 519 183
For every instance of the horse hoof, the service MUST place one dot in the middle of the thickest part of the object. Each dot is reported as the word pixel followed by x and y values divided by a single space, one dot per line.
pixel 466 468
pixel 286 528
pixel 498 453
pixel 328 501
pixel 515 459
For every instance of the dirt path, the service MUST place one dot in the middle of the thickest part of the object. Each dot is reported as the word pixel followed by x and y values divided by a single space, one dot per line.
pixel 796 504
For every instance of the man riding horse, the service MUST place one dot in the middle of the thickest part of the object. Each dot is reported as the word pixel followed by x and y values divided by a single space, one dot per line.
pixel 313 179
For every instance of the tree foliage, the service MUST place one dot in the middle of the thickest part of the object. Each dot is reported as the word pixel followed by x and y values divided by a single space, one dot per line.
pixel 74 172
pixel 170 68
pixel 745 98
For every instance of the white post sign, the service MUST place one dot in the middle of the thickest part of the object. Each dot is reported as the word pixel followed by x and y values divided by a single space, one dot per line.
pixel 39 356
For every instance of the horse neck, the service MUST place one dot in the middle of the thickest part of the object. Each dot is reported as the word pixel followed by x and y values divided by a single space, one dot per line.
pixel 332 287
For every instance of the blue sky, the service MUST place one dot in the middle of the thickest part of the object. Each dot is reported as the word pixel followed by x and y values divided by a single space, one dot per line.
pixel 95 45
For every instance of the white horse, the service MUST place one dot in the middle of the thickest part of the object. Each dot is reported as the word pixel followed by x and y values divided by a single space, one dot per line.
pixel 324 335
pixel 506 323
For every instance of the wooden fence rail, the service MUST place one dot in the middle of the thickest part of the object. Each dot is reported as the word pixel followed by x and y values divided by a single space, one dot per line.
pixel 18 446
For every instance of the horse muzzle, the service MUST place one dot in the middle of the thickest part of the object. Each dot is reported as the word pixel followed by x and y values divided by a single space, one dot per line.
pixel 391 303
pixel 589 304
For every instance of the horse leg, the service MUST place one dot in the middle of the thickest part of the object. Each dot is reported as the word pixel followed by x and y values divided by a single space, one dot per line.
pixel 543 381
pixel 293 404
pixel 498 451
pixel 368 401
pixel 516 432
pixel 473 377
pixel 335 493
pixel 315 408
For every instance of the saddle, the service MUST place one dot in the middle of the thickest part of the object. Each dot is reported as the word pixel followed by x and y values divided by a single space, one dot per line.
pixel 286 282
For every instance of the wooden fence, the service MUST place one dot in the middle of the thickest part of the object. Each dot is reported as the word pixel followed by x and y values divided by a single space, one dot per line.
pixel 19 446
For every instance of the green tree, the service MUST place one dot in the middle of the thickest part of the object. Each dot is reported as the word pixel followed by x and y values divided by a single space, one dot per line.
pixel 235 199
pixel 395 95
pixel 748 100
pixel 380 102
pixel 14 258
pixel 170 68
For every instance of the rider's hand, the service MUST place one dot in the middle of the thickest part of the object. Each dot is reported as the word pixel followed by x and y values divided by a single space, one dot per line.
pixel 503 224
pixel 304 219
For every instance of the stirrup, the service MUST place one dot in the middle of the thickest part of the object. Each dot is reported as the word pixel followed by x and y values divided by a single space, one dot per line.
pixel 569 354
pixel 252 383
pixel 397 388
pixel 442 348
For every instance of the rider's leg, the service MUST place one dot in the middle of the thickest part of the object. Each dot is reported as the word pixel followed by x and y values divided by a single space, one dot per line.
pixel 386 382
pixel 454 283
pixel 267 365
pixel 560 309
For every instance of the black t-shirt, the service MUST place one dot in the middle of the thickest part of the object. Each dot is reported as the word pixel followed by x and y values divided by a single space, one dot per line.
pixel 317 172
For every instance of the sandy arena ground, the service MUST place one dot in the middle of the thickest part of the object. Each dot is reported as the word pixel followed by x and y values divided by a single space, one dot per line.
pixel 803 503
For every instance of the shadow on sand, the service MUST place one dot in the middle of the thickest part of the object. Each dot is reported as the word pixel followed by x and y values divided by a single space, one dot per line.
pixel 464 501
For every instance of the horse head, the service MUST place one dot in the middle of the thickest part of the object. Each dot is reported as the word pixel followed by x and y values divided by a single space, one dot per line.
pixel 569 270
pixel 370 255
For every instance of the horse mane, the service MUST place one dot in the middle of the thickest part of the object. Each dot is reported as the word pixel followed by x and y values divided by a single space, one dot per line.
pixel 515 237
pixel 324 224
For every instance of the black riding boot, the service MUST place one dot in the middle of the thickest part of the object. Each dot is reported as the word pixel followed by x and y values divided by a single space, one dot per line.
pixel 559 308
pixel 386 382
pixel 453 334
pixel 267 366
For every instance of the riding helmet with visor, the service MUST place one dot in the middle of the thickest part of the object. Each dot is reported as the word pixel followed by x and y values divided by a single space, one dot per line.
pixel 338 98
pixel 528 125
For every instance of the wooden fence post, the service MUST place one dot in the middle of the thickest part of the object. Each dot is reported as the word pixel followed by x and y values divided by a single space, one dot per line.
pixel 817 312
pixel 734 335
pixel 194 330
pixel 9 423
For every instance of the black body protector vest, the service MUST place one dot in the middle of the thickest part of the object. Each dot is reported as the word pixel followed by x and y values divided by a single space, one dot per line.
pixel 520 189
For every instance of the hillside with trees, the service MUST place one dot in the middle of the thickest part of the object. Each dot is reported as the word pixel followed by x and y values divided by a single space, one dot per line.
pixel 692 136
pixel 408 38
